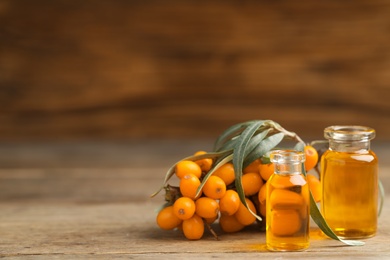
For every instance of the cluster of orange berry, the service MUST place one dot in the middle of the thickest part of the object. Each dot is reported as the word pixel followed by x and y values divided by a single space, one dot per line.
pixel 218 198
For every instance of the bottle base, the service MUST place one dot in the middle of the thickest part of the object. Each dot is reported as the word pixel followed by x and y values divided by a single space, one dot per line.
pixel 354 233
pixel 286 247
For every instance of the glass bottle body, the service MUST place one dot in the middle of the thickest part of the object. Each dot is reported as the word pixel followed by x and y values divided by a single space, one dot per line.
pixel 287 217
pixel 349 177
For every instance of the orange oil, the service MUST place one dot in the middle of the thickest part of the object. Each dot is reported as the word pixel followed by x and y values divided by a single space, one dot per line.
pixel 287 218
pixel 350 193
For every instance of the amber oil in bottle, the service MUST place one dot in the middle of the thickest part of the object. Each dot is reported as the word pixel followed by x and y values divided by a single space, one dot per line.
pixel 287 217
pixel 349 177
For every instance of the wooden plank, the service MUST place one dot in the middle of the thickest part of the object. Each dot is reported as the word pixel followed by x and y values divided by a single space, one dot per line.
pixel 186 69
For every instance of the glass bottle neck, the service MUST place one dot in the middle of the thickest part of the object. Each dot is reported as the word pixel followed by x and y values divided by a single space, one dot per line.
pixel 288 168
pixel 349 146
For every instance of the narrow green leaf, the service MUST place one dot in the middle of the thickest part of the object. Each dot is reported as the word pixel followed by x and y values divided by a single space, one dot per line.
pixel 255 141
pixel 230 133
pixel 260 134
pixel 299 147
pixel 263 147
pixel 238 159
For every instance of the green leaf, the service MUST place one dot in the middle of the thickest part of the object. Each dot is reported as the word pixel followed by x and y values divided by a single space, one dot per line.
pixel 259 135
pixel 263 147
pixel 238 159
pixel 255 141
pixel 230 133
pixel 299 147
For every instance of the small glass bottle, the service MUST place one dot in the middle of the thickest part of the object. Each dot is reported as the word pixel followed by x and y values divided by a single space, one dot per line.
pixel 288 215
pixel 349 177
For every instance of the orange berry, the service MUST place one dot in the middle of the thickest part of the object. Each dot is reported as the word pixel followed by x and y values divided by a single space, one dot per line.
pixel 251 183
pixel 243 215
pixel 226 173
pixel 205 164
pixel 285 199
pixel 193 228
pixel 262 195
pixel 184 208
pixel 214 187
pixel 167 220
pixel 315 187
pixel 206 207
pixel 229 203
pixel 266 170
pixel 230 224
pixel 252 167
pixel 285 182
pixel 184 167
pixel 311 157
pixel 285 222
pixel 189 185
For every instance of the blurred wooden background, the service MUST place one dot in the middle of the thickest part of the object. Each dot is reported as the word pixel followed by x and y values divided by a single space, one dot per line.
pixel 100 69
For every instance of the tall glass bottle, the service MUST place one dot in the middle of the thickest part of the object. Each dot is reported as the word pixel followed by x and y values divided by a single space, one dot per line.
pixel 288 215
pixel 349 177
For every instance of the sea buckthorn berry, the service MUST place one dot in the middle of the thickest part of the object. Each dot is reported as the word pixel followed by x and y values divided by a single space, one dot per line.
pixel 262 195
pixel 206 207
pixel 285 222
pixel 167 220
pixel 285 199
pixel 226 173
pixel 315 187
pixel 189 185
pixel 184 208
pixel 205 164
pixel 266 170
pixel 243 215
pixel 184 167
pixel 311 155
pixel 252 167
pixel 193 228
pixel 229 203
pixel 214 187
pixel 230 224
pixel 281 182
pixel 251 183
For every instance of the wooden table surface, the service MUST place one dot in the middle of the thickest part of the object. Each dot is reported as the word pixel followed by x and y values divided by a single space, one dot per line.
pixel 91 200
